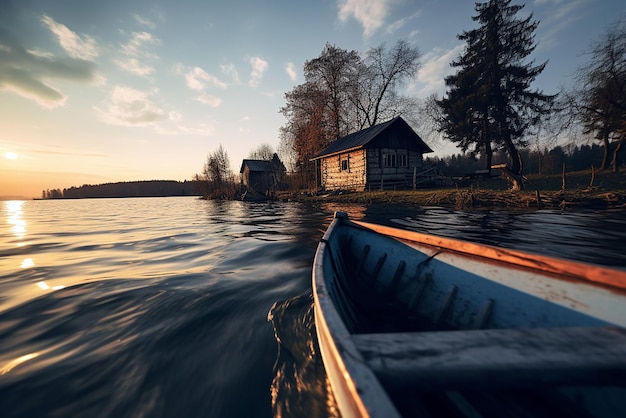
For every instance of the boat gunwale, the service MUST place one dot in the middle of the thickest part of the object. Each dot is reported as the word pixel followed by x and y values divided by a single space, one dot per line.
pixel 357 390
pixel 610 278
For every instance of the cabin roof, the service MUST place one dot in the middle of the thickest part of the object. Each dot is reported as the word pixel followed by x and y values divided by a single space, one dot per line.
pixel 361 138
pixel 257 165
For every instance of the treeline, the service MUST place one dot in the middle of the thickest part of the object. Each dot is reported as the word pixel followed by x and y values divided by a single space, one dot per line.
pixel 149 188
pixel 546 161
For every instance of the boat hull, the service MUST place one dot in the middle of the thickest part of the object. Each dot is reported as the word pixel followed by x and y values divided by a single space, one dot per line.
pixel 374 285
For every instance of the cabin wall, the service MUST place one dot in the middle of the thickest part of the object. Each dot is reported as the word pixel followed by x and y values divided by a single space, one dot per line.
pixel 371 169
pixel 390 168
pixel 393 157
pixel 259 181
pixel 345 171
pixel 245 176
pixel 390 159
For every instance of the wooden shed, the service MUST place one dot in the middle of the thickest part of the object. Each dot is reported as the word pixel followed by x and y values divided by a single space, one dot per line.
pixel 384 156
pixel 262 176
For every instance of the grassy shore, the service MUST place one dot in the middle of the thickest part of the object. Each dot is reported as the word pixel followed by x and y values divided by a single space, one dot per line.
pixel 582 189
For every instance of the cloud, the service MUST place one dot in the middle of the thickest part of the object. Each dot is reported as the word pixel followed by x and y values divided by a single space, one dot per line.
pixel 400 23
pixel 131 107
pixel 203 129
pixel 138 45
pixel 175 116
pixel 230 70
pixel 244 126
pixel 39 53
pixel 208 99
pixel 144 21
pixel 197 79
pixel 259 66
pixel 134 66
pixel 370 14
pixel 78 47
pixel 30 86
pixel 30 73
pixel 290 68
pixel 435 69
pixel 174 124
pixel 136 52
pixel 557 18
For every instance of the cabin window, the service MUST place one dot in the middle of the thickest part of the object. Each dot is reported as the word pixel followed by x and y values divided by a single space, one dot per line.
pixel 344 165
pixel 402 160
pixel 389 160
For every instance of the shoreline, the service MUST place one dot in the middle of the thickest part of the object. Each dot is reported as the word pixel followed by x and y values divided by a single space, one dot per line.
pixel 470 198
pixel 543 192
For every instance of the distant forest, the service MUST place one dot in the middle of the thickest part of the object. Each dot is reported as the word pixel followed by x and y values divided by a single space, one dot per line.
pixel 535 162
pixel 150 188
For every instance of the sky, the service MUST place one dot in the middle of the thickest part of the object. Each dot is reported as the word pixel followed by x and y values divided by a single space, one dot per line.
pixel 122 90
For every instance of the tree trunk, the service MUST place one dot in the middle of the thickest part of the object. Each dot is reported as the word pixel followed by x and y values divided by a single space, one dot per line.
pixel 618 149
pixel 607 150
pixel 488 156
pixel 518 183
pixel 516 164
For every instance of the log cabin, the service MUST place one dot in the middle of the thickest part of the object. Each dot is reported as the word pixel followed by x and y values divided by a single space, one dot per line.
pixel 262 176
pixel 385 156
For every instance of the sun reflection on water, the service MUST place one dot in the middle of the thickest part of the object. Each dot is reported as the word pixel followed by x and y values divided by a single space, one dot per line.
pixel 16 362
pixel 27 263
pixel 14 218
pixel 44 286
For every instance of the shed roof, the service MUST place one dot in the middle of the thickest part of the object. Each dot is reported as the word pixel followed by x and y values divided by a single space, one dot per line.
pixel 361 138
pixel 257 165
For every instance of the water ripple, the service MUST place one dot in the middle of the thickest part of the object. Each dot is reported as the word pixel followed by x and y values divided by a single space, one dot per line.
pixel 157 307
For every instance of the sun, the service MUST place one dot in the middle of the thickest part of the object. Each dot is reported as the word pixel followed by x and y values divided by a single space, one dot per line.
pixel 10 155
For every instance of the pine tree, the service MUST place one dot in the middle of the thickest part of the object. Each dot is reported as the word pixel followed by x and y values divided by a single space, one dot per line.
pixel 489 101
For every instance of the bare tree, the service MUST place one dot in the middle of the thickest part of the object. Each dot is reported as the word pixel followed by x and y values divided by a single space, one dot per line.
pixel 428 118
pixel 344 93
pixel 262 152
pixel 306 131
pixel 334 72
pixel 287 153
pixel 599 98
pixel 217 179
pixel 378 97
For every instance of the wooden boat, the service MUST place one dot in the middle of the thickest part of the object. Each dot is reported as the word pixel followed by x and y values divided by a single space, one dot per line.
pixel 411 324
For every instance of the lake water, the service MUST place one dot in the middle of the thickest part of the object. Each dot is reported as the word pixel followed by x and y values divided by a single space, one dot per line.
pixel 163 307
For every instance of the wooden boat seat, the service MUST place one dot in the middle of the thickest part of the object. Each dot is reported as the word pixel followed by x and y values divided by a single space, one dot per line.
pixel 497 359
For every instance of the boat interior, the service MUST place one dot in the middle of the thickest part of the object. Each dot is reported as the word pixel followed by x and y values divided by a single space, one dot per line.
pixel 451 336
